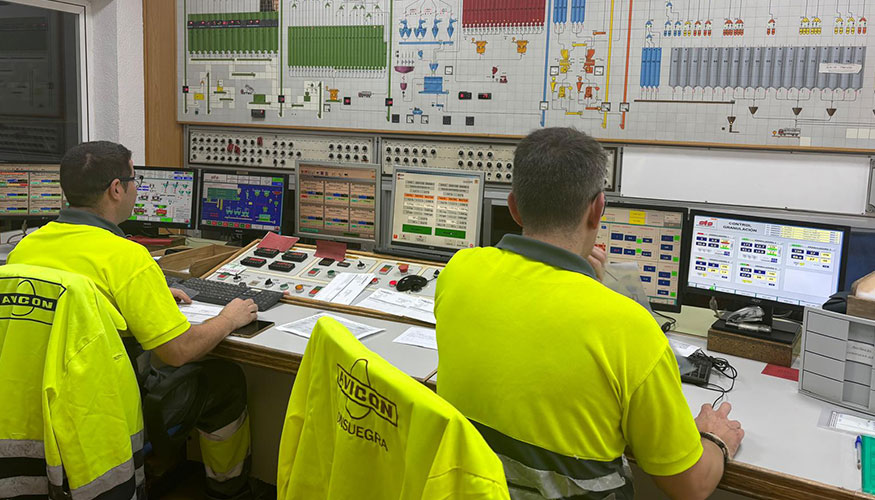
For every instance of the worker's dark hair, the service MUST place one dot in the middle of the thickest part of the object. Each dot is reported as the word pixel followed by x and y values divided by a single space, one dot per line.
pixel 89 168
pixel 558 172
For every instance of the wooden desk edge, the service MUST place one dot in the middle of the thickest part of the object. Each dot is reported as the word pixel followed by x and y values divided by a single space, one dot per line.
pixel 758 482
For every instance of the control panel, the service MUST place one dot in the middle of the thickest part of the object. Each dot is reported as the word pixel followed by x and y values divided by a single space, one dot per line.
pixel 302 274
pixel 274 149
pixel 496 160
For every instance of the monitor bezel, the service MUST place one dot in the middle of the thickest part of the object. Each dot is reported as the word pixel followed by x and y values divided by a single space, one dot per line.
pixel 684 257
pixel 376 167
pixel 136 224
pixel 737 300
pixel 241 171
pixel 415 250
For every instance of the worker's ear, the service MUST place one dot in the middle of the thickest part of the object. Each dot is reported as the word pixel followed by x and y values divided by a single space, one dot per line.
pixel 595 211
pixel 514 210
pixel 116 190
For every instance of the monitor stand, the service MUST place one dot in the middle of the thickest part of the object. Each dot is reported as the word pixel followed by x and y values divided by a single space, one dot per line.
pixel 241 238
pixel 782 331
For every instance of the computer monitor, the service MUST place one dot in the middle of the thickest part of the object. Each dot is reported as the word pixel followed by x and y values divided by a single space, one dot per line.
pixel 242 201
pixel 768 262
pixel 339 202
pixel 653 238
pixel 31 192
pixel 165 198
pixel 435 212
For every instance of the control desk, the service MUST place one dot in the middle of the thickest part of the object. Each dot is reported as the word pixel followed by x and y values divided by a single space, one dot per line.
pixel 303 275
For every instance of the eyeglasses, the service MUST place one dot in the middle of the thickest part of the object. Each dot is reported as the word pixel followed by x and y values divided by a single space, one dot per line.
pixel 137 178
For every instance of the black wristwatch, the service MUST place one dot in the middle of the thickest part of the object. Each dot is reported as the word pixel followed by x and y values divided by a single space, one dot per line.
pixel 720 444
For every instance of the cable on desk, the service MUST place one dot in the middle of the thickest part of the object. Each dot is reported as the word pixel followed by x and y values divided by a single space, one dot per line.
pixel 666 327
pixel 722 366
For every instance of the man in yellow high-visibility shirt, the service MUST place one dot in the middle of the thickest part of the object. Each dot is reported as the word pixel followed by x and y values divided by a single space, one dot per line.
pixel 99 181
pixel 557 371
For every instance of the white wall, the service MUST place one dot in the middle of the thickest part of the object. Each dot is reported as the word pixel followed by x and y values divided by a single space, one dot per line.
pixel 826 183
pixel 116 76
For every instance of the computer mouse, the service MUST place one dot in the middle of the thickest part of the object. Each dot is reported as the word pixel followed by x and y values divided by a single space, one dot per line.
pixel 413 283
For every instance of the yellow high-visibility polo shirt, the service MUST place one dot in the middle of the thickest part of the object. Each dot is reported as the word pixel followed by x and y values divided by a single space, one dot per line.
pixel 123 271
pixel 550 363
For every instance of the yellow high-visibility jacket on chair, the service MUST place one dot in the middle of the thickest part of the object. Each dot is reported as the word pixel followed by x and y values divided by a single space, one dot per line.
pixel 359 428
pixel 71 424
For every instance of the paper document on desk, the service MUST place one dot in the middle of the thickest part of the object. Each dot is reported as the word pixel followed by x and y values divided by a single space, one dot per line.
pixel 304 327
pixel 845 422
pixel 198 312
pixel 401 304
pixel 625 279
pixel 418 336
pixel 681 348
pixel 344 288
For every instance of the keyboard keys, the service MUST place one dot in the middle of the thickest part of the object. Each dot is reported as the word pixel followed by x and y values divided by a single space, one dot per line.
pixel 220 293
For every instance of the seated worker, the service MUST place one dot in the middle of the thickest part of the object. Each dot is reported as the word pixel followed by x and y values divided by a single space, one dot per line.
pixel 99 181
pixel 559 373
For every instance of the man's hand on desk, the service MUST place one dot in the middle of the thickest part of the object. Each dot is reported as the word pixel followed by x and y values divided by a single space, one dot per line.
pixel 718 423
pixel 239 313
pixel 180 296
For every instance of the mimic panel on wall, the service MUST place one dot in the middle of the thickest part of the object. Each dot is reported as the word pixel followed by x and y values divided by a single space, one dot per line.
pixel 676 71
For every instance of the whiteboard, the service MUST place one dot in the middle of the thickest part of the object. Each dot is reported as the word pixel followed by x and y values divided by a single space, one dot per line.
pixel 796 181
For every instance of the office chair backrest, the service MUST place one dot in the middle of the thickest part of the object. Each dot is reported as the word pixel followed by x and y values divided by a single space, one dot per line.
pixel 357 427
pixel 72 421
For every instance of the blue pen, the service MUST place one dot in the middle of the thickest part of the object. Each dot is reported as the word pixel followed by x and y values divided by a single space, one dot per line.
pixel 858 444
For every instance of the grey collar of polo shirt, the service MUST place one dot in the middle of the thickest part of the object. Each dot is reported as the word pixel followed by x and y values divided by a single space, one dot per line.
pixel 86 218
pixel 546 253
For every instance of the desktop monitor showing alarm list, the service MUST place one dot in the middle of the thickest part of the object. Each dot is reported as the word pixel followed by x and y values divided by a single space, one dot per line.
pixel 436 212
pixel 242 201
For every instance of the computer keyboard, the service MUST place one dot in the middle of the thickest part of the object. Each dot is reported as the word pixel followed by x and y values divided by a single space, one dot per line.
pixel 701 373
pixel 216 292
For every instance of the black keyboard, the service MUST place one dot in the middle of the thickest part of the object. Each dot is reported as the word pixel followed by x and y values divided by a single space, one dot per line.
pixel 702 365
pixel 216 292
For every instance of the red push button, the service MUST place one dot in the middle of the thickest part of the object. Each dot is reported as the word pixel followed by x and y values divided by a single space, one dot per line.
pixel 403 268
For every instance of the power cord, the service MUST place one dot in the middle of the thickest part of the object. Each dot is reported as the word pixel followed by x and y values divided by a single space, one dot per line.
pixel 669 326
pixel 20 235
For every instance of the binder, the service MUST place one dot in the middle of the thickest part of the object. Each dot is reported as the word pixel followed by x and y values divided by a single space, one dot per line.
pixel 867 456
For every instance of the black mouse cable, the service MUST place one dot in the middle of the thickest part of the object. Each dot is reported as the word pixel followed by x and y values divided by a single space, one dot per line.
pixel 722 366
